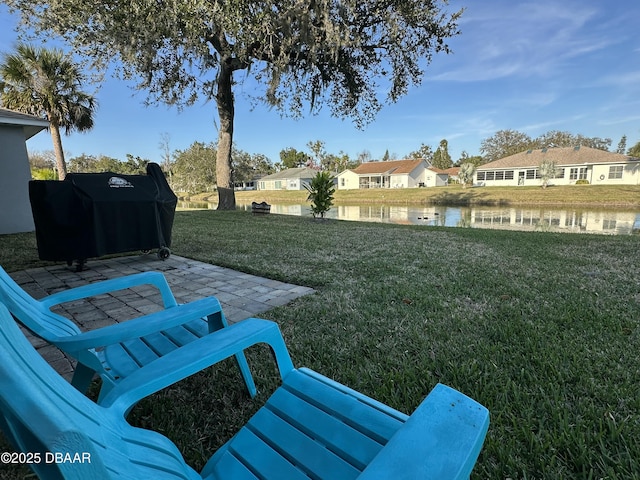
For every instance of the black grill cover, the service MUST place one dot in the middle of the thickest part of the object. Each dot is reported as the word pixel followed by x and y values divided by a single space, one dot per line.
pixel 94 214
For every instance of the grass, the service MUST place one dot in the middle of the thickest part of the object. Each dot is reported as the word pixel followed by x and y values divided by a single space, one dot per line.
pixel 610 196
pixel 542 328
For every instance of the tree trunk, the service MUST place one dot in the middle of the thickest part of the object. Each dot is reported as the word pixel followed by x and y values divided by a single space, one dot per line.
pixel 224 100
pixel 57 149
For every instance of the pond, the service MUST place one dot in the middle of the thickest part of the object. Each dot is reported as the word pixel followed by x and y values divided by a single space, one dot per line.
pixel 538 219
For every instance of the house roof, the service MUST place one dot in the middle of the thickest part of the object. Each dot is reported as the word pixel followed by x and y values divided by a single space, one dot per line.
pixel 392 167
pixel 29 123
pixel 300 172
pixel 560 155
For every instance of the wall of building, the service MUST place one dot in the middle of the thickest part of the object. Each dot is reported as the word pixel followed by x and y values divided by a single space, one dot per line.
pixel 348 180
pixel 15 211
pixel 434 179
pixel 419 177
pixel 283 184
pixel 597 174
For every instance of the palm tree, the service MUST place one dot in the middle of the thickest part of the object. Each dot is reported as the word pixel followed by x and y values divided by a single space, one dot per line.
pixel 465 175
pixel 47 83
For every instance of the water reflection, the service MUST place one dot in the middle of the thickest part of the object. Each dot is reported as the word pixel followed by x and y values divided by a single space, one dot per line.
pixel 506 218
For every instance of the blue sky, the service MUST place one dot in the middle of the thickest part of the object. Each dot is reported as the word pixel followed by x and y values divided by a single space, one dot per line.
pixel 532 66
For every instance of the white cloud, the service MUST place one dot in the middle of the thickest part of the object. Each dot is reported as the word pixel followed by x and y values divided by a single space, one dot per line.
pixel 620 120
pixel 628 79
pixel 522 40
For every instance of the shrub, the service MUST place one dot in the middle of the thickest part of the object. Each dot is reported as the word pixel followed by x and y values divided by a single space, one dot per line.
pixel 582 181
pixel 321 192
pixel 466 174
pixel 547 170
pixel 44 174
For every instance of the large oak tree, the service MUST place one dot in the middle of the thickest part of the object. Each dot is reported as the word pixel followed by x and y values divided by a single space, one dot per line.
pixel 353 55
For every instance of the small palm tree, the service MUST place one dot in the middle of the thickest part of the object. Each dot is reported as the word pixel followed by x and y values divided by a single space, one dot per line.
pixel 547 171
pixel 321 192
pixel 47 83
pixel 465 175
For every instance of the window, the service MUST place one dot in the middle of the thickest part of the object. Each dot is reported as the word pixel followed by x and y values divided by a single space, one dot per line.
pixel 500 175
pixel 615 171
pixel 490 175
pixel 508 175
pixel 342 182
pixel 480 175
pixel 531 174
pixel 578 173
pixel 559 173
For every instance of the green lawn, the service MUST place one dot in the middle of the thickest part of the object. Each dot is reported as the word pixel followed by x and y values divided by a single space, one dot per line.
pixel 541 328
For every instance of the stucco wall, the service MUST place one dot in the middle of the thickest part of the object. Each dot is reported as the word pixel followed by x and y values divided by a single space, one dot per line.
pixel 348 180
pixel 15 210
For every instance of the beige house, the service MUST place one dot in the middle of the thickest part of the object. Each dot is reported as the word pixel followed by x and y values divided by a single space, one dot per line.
pixel 597 167
pixel 15 129
pixel 289 179
pixel 392 174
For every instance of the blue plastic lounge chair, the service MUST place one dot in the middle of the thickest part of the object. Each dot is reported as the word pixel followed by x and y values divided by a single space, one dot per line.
pixel 311 427
pixel 126 349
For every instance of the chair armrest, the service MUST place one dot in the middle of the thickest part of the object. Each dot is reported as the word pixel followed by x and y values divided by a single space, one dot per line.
pixel 196 356
pixel 441 440
pixel 156 279
pixel 141 326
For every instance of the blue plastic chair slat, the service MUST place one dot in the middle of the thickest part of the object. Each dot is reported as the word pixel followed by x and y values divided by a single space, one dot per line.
pixel 333 434
pixel 125 358
pixel 372 422
pixel 117 362
pixel 187 333
pixel 229 467
pixel 140 351
pixel 304 451
pixel 260 457
pixel 158 344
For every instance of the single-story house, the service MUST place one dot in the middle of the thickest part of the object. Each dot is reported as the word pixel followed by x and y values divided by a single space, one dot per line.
pixel 15 129
pixel 392 174
pixel 598 167
pixel 289 179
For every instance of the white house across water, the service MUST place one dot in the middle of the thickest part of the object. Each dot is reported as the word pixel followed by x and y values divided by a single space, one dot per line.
pixel 392 174
pixel 597 167
pixel 289 179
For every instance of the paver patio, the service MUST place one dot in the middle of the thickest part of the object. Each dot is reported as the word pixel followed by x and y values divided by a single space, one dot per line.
pixel 241 295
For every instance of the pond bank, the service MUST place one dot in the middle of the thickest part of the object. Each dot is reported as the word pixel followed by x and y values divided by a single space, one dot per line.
pixel 595 196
